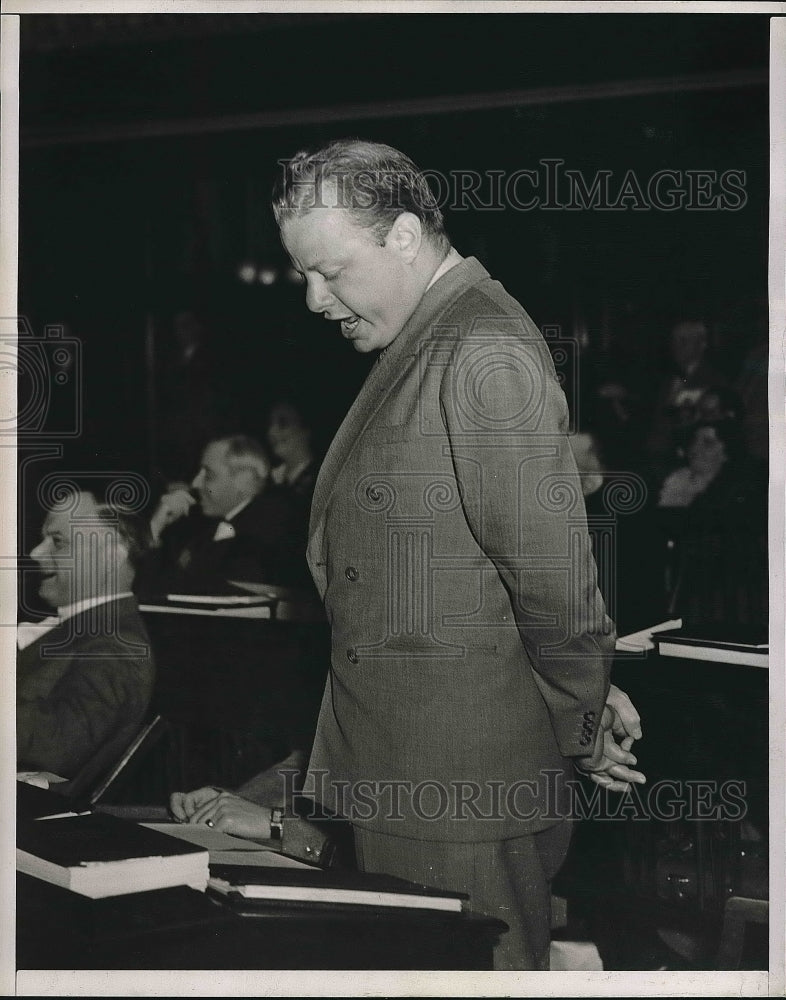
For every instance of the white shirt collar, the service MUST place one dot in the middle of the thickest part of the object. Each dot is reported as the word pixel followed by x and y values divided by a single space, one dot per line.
pixel 453 258
pixel 236 510
pixel 28 632
pixel 69 610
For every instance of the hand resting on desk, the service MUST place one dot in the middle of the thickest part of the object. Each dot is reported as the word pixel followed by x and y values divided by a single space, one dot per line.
pixel 223 810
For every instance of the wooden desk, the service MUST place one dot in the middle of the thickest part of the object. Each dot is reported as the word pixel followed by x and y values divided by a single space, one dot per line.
pixel 704 724
pixel 185 929
pixel 240 690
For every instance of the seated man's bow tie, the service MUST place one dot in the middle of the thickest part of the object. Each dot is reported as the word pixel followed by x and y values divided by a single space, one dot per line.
pixel 224 530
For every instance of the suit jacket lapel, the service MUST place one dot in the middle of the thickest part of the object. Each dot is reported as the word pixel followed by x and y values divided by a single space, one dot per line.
pixel 391 366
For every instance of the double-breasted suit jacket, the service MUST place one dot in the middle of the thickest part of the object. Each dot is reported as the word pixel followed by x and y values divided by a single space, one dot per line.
pixel 470 645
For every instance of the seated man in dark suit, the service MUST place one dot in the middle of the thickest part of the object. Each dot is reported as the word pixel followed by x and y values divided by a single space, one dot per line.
pixel 233 524
pixel 84 676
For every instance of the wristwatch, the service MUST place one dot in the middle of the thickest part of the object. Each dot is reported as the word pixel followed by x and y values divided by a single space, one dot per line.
pixel 276 824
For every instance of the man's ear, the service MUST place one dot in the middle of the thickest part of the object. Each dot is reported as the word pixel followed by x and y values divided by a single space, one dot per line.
pixel 121 551
pixel 406 237
pixel 249 481
pixel 112 550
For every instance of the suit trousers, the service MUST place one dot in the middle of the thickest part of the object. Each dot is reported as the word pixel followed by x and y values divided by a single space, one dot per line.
pixel 507 879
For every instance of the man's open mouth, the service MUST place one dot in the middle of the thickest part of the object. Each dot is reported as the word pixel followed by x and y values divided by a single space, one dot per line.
pixel 349 325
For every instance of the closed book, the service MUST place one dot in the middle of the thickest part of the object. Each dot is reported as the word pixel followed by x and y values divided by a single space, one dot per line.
pixel 743 645
pixel 99 855
pixel 329 886
pixel 221 600
pixel 253 609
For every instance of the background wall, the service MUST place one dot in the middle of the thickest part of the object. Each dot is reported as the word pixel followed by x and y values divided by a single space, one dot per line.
pixel 150 142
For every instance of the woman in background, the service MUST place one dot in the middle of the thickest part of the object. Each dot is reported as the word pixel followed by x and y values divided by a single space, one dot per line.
pixel 289 436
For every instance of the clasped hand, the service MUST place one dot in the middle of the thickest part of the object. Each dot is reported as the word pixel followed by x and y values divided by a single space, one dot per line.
pixel 610 766
pixel 222 810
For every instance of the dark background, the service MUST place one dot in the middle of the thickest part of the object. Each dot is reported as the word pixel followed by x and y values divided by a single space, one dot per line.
pixel 149 144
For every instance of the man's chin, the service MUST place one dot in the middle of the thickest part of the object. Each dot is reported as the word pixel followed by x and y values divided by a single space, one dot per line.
pixel 362 346
pixel 49 595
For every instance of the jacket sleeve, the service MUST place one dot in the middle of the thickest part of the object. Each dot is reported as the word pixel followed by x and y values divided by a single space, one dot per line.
pixel 93 699
pixel 506 418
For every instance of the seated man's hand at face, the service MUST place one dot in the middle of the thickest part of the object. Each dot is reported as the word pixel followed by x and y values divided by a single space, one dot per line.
pixel 171 507
pixel 222 810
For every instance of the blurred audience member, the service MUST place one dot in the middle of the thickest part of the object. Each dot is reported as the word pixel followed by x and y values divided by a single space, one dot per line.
pixel 85 675
pixel 715 520
pixel 752 386
pixel 718 479
pixel 586 453
pixel 626 549
pixel 290 439
pixel 720 403
pixel 706 456
pixel 289 436
pixel 678 397
pixel 241 526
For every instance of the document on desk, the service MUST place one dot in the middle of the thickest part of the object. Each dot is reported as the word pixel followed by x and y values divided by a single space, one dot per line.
pixel 225 849
pixel 637 642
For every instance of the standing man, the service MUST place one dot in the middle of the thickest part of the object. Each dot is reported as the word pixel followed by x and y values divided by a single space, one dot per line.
pixel 470 647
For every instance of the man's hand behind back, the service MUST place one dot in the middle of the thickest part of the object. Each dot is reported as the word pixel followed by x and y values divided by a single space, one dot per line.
pixel 610 766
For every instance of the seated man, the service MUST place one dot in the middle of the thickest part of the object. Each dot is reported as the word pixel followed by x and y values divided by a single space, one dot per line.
pixel 232 525
pixel 84 677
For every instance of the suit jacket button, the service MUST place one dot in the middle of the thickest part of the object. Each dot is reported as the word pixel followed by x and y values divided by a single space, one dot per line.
pixel 352 654
pixel 351 573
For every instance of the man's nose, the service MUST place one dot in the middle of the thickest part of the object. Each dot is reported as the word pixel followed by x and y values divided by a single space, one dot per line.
pixel 39 551
pixel 196 482
pixel 318 298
